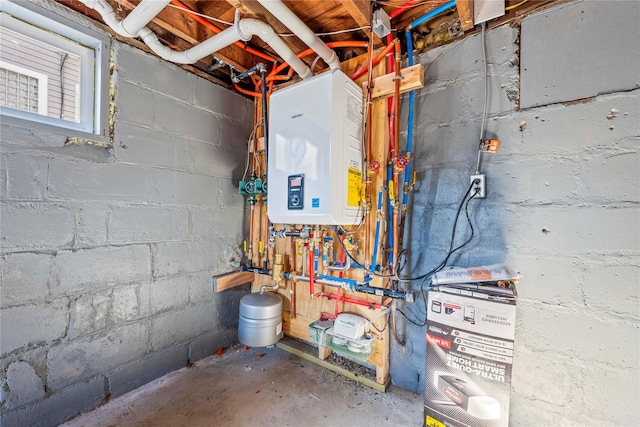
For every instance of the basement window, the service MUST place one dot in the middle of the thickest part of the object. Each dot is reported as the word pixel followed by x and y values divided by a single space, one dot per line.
pixel 51 70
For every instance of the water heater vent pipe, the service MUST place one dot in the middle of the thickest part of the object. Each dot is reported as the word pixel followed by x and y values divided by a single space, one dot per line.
pixel 137 19
pixel 278 9
pixel 243 29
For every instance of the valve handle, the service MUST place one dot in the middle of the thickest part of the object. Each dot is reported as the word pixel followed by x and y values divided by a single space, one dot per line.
pixel 401 163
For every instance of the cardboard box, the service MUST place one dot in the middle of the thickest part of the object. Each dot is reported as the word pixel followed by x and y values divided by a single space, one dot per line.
pixel 470 332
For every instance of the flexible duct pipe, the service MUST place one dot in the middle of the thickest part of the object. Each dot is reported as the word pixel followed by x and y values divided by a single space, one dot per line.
pixel 300 29
pixel 243 30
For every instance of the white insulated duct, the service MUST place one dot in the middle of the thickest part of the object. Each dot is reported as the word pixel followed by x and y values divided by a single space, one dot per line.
pixel 243 30
pixel 300 29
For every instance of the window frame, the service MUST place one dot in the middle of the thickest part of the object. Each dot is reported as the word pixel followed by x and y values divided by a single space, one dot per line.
pixel 43 84
pixel 29 18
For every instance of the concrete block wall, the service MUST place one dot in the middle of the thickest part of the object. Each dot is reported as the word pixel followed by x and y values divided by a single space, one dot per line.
pixel 563 206
pixel 107 255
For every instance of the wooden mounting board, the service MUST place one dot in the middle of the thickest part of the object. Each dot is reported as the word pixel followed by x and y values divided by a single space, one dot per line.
pixel 384 86
pixel 299 310
pixel 231 280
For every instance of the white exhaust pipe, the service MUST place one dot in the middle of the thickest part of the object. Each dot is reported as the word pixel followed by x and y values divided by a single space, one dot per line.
pixel 143 14
pixel 300 29
pixel 134 22
pixel 243 29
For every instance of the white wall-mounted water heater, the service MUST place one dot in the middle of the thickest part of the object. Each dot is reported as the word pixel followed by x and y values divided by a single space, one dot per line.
pixel 315 162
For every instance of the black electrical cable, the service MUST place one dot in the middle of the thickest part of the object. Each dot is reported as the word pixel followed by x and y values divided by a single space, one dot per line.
pixel 355 261
pixel 410 320
pixel 443 263
pixel 386 323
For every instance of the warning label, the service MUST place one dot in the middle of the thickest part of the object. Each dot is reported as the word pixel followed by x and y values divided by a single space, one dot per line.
pixel 354 184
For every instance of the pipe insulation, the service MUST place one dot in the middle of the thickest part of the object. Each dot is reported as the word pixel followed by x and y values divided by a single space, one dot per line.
pixel 278 9
pixel 243 30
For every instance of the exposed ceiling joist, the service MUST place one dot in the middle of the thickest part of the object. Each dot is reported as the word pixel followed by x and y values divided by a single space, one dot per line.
pixel 360 11
pixel 184 26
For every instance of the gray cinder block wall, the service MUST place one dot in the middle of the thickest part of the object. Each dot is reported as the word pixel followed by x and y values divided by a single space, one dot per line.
pixel 563 204
pixel 107 255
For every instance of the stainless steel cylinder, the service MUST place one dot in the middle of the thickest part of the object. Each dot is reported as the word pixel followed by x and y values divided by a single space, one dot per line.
pixel 260 322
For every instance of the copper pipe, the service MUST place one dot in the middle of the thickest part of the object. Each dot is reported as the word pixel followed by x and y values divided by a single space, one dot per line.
pixel 390 100
pixel 396 209
pixel 396 114
pixel 368 155
pixel 250 251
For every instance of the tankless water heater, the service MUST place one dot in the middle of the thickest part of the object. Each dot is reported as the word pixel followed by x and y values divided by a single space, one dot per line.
pixel 315 160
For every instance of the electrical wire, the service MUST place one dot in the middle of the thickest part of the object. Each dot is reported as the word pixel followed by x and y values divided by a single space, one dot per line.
pixel 419 323
pixel 313 64
pixel 515 5
pixel 443 263
pixel 355 261
pixel 486 89
pixel 331 33
pixel 202 15
pixel 374 318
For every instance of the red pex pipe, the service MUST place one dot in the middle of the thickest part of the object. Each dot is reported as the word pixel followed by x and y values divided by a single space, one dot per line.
pixel 311 272
pixel 352 300
pixel 402 8
pixel 376 60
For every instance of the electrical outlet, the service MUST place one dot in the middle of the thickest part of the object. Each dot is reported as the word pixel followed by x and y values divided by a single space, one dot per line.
pixel 479 186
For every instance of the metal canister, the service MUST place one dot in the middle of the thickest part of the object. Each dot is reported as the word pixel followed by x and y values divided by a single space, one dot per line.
pixel 260 322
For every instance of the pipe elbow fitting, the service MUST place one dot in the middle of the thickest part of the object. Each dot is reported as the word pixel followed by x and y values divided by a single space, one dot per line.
pixel 248 27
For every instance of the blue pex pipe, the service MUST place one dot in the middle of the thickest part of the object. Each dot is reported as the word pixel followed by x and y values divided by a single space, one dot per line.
pixel 407 171
pixel 435 12
pixel 315 259
pixel 339 279
pixel 377 239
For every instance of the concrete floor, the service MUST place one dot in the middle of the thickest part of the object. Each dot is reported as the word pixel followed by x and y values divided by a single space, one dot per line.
pixel 239 388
